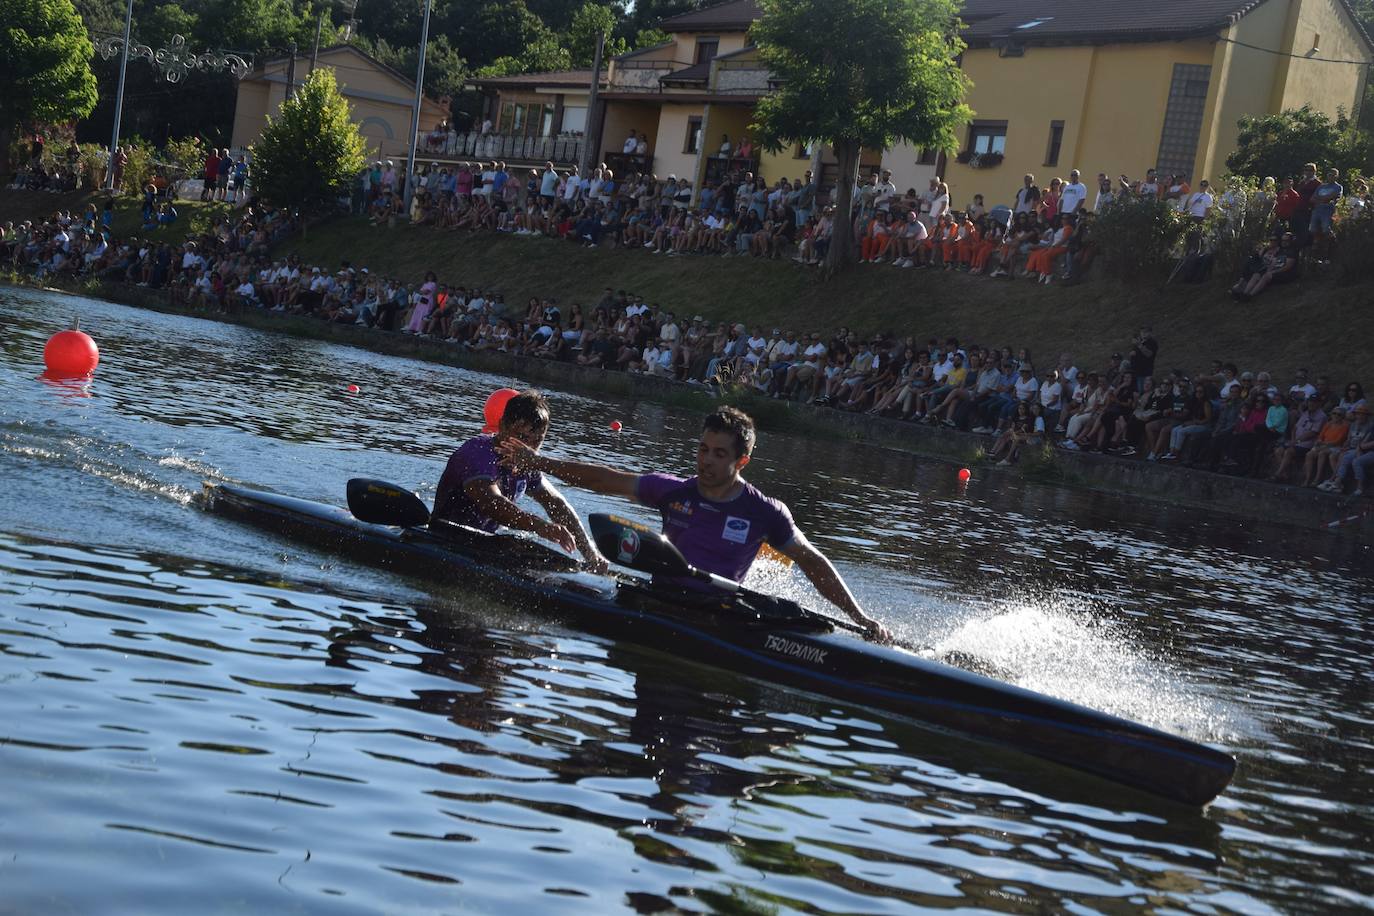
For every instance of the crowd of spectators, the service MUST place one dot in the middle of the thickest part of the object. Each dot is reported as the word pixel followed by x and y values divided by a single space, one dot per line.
pixel 1042 234
pixel 1218 418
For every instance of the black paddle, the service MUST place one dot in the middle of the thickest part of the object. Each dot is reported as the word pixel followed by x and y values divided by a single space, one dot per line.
pixel 380 503
pixel 639 547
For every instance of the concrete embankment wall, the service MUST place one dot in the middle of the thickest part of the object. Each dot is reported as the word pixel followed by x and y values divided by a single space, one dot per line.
pixel 1238 497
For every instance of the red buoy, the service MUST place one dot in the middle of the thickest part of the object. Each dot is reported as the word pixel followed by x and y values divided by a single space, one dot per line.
pixel 495 408
pixel 71 354
pixel 353 389
pixel 615 426
pixel 965 474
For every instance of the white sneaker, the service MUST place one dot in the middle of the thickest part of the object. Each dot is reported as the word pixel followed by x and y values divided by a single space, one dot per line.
pixel 1005 462
pixel 648 244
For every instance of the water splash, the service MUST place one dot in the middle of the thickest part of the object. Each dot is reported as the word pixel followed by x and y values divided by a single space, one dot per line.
pixel 1071 650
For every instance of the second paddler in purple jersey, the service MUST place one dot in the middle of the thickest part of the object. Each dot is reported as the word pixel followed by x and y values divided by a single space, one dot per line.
pixel 717 519
pixel 475 490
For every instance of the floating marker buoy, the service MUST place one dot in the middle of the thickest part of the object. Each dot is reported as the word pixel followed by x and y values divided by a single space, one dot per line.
pixel 353 389
pixel 615 426
pixel 71 353
pixel 965 474
pixel 495 408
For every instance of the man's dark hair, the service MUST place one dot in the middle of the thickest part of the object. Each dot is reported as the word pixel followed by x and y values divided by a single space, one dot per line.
pixel 530 407
pixel 734 421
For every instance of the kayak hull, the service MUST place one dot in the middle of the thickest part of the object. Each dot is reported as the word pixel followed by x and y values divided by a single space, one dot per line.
pixel 798 654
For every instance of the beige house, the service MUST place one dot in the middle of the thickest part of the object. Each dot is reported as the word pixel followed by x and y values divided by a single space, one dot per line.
pixel 535 117
pixel 381 98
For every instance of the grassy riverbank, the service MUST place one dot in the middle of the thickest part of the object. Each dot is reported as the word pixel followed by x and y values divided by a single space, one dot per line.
pixel 1316 323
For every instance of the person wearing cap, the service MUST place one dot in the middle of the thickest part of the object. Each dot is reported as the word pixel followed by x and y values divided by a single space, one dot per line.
pixel 1357 454
pixel 477 492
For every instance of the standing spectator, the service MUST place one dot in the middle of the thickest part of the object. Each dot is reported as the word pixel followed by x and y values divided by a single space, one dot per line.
pixel 1144 350
pixel 1074 195
pixel 1324 200
pixel 1302 217
pixel 1199 204
pixel 1027 196
pixel 119 161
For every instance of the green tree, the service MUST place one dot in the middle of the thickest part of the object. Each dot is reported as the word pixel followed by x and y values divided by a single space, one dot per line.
pixel 45 67
pixel 543 54
pixel 1278 145
pixel 589 21
pixel 878 72
pixel 311 150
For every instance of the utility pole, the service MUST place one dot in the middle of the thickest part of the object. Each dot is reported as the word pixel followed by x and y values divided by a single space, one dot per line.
pixel 119 97
pixel 591 142
pixel 291 73
pixel 415 114
pixel 315 54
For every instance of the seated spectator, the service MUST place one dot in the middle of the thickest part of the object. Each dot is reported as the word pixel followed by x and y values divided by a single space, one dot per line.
pixel 1276 264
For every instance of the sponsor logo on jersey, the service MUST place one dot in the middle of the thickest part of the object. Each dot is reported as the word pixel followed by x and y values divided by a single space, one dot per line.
pixel 736 529
pixel 784 646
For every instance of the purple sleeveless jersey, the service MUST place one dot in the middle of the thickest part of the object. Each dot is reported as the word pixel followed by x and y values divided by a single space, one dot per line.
pixel 722 538
pixel 476 459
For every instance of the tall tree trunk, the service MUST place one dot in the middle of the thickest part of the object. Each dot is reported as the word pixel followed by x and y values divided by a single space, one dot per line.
pixel 841 253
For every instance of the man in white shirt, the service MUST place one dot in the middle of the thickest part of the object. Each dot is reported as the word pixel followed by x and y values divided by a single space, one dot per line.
pixel 1074 194
pixel 884 191
pixel 1027 196
pixel 1051 397
pixel 1199 203
pixel 631 142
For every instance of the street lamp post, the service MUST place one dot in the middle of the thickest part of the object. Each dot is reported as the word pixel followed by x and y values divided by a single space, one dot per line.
pixel 175 62
pixel 415 114
pixel 119 97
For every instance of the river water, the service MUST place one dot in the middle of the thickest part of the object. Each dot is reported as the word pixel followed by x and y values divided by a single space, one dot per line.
pixel 196 716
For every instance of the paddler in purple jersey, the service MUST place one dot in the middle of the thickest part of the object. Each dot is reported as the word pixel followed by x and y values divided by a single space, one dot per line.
pixel 717 519
pixel 475 490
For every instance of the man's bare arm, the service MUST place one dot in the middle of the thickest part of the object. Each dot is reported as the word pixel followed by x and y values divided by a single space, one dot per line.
pixel 595 477
pixel 831 585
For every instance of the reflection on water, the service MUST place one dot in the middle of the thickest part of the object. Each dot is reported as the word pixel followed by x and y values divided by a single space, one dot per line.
pixel 201 711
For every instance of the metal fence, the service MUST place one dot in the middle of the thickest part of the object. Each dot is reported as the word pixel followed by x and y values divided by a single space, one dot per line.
pixel 563 149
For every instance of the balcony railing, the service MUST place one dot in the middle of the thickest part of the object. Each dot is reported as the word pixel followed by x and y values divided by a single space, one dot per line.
pixel 564 149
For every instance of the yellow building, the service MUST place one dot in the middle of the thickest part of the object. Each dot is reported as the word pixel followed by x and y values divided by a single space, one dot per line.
pixel 382 99
pixel 1119 86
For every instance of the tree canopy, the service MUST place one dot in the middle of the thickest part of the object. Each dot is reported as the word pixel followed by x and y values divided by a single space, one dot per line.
pixel 45 67
pixel 1279 145
pixel 310 151
pixel 878 72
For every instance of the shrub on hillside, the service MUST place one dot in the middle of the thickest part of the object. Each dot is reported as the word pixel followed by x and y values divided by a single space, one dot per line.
pixel 1137 238
pixel 1355 240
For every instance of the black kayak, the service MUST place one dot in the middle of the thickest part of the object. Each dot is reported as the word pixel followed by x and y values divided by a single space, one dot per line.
pixel 799 649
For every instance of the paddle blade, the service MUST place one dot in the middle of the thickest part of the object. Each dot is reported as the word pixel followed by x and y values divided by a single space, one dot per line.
pixel 380 503
pixel 636 546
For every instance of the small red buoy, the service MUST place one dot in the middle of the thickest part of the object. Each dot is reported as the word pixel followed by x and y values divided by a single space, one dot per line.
pixel 353 389
pixel 71 353
pixel 615 426
pixel 495 408
pixel 965 474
